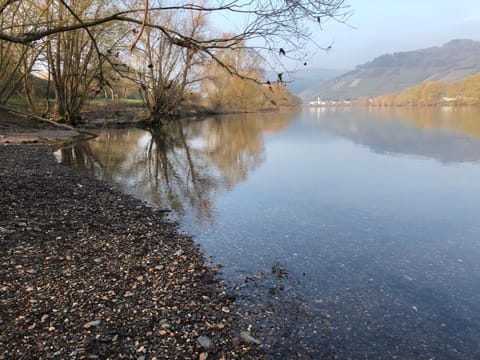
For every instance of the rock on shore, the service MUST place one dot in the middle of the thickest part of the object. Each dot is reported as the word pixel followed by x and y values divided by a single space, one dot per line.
pixel 88 272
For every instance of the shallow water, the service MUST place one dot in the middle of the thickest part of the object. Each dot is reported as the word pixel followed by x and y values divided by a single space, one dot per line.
pixel 346 233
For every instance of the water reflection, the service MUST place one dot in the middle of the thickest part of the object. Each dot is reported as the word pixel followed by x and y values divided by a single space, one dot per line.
pixel 347 233
pixel 182 165
pixel 443 133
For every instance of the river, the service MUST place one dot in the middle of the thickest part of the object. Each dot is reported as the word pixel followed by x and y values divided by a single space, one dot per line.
pixel 345 233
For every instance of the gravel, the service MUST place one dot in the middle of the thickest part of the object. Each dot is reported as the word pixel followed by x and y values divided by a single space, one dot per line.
pixel 87 272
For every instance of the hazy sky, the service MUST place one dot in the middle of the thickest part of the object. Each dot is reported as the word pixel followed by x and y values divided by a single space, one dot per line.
pixel 387 26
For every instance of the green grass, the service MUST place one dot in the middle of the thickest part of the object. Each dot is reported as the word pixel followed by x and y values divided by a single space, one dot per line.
pixel 119 101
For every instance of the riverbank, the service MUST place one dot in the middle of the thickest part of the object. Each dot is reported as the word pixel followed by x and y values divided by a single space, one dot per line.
pixel 88 272
pixel 18 129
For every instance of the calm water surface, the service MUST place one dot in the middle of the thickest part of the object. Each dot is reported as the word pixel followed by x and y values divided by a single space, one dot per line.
pixel 346 233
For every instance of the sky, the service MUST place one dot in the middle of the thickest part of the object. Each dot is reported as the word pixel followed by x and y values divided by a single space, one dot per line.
pixel 378 27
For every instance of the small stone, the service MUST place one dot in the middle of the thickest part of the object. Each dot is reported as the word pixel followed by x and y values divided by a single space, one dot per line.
pixel 162 332
pixel 44 318
pixel 205 342
pixel 248 338
pixel 225 309
pixel 203 356
pixel 178 253
pixel 165 326
pixel 92 323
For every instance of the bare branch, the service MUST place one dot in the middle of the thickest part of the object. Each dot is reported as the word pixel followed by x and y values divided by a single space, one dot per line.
pixel 28 37
pixel 6 4
pixel 142 28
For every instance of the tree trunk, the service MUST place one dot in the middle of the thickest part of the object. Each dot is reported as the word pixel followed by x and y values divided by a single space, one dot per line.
pixel 156 118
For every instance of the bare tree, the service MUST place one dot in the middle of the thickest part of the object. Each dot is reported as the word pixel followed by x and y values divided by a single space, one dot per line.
pixel 75 58
pixel 75 36
pixel 16 60
pixel 282 27
pixel 240 91
pixel 164 70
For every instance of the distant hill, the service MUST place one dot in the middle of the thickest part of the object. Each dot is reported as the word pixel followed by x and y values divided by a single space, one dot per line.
pixel 391 73
pixel 300 81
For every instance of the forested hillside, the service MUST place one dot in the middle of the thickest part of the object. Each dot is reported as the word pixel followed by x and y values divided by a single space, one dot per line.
pixel 463 92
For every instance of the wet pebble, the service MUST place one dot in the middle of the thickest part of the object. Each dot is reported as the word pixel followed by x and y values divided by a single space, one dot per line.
pixel 247 337
pixel 205 342
pixel 93 323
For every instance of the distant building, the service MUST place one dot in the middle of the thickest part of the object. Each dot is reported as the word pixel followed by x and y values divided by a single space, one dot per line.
pixel 448 99
pixel 325 103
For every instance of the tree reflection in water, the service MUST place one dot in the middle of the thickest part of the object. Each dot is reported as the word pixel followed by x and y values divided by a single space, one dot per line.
pixel 181 165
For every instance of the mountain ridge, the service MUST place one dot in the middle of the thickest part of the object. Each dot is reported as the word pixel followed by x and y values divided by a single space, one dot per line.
pixel 303 79
pixel 390 73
